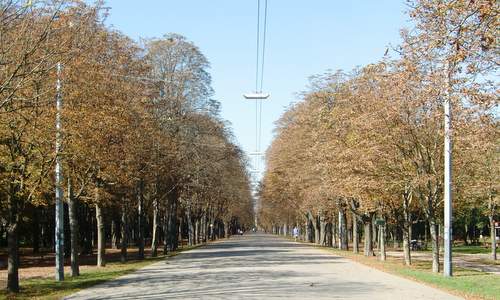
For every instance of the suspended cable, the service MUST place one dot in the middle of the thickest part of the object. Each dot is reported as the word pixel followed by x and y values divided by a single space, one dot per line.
pixel 258 96
pixel 258 47
pixel 263 47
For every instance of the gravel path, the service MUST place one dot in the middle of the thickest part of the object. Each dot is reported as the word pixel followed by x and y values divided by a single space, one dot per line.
pixel 260 267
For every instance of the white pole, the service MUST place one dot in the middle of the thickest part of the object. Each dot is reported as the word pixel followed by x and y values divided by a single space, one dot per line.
pixel 447 181
pixel 59 230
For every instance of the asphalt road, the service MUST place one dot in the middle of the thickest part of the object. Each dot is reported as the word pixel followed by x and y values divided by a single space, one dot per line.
pixel 259 266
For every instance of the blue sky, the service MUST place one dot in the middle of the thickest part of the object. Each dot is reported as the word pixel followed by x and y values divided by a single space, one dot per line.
pixel 303 38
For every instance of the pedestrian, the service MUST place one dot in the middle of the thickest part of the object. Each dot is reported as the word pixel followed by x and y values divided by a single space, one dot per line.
pixel 295 233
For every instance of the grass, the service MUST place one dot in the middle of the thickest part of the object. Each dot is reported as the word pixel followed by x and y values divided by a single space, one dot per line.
pixel 471 250
pixel 469 284
pixel 48 288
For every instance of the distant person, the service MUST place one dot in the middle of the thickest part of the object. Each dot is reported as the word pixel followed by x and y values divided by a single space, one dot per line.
pixel 295 233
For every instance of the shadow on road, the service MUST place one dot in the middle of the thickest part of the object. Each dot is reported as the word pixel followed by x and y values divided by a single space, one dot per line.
pixel 244 267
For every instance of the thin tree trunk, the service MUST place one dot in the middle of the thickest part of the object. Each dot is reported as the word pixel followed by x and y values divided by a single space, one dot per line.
pixel 227 230
pixel 190 227
pixel 407 222
pixel 101 237
pixel 343 229
pixel 166 230
pixel 74 234
pixel 395 240
pixel 13 245
pixel 156 227
pixel 317 229
pixel 197 231
pixel 322 230
pixel 491 209
pixel 406 243
pixel 140 221
pixel 368 230
pixel 171 234
pixel 335 230
pixel 124 233
pixel 114 232
pixel 435 245
pixel 355 238
pixel 493 238
pixel 309 228
pixel 204 228
pixel 382 242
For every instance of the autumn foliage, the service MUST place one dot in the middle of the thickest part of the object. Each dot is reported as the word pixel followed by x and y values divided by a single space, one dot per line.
pixel 147 160
pixel 367 145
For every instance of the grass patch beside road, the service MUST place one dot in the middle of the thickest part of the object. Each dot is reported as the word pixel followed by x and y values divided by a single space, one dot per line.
pixel 48 288
pixel 466 283
pixel 471 249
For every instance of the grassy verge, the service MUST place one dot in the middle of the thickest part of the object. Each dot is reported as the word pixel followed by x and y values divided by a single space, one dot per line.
pixel 472 249
pixel 48 288
pixel 466 283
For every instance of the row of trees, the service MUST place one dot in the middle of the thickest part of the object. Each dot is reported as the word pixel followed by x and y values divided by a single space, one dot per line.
pixel 145 154
pixel 368 145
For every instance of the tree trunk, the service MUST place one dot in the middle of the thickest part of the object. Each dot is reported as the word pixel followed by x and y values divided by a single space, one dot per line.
pixel 374 233
pixel 435 245
pixel 368 230
pixel 171 234
pixel 101 237
pixel 309 228
pixel 124 233
pixel 493 238
pixel 406 243
pixel 407 222
pixel 343 229
pixel 140 221
pixel 156 227
pixel 190 227
pixel 227 230
pixel 13 244
pixel 74 236
pixel 114 233
pixel 322 230
pixel 395 239
pixel 204 228
pixel 197 231
pixel 335 230
pixel 328 234
pixel 491 210
pixel 355 238
pixel 382 242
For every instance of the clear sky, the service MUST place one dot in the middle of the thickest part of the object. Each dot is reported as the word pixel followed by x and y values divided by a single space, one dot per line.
pixel 303 38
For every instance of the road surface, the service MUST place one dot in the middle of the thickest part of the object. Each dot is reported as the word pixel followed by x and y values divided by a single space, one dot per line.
pixel 259 266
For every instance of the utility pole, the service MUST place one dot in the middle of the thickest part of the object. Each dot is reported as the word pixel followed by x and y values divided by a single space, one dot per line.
pixel 448 272
pixel 59 230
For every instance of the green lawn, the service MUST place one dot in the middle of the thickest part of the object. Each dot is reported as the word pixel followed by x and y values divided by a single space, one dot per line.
pixel 466 283
pixel 48 288
pixel 471 249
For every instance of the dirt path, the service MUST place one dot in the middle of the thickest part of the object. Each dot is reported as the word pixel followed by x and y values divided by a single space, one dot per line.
pixel 260 267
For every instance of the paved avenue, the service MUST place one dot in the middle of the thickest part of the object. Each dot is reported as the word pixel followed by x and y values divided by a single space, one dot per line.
pixel 259 266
